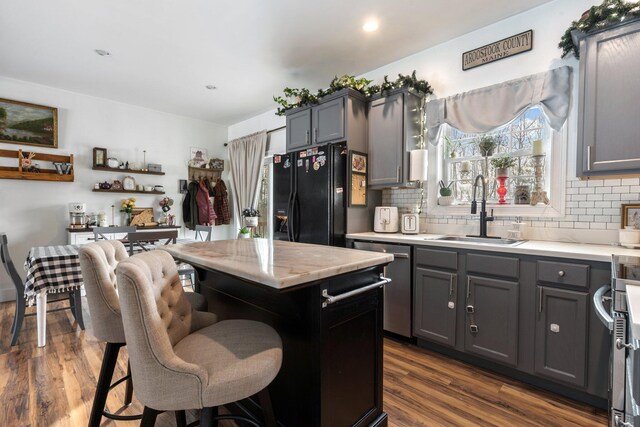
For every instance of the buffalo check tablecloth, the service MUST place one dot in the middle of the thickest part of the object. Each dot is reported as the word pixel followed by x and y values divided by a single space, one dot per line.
pixel 52 269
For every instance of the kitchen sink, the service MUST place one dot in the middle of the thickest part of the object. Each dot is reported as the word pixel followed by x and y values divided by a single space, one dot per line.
pixel 482 240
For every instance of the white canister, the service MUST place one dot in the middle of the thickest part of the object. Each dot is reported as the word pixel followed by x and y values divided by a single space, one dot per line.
pixel 410 223
pixel 629 237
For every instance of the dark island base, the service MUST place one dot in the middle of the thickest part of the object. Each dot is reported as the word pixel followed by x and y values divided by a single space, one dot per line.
pixel 331 372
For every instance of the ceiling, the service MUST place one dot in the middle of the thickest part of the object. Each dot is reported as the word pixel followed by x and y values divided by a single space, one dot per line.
pixel 164 52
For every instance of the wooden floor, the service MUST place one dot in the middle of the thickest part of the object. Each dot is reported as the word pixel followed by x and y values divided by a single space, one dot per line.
pixel 54 385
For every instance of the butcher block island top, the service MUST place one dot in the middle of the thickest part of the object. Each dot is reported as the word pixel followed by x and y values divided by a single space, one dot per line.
pixel 277 264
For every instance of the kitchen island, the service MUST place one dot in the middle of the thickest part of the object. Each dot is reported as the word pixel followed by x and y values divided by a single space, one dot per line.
pixel 327 305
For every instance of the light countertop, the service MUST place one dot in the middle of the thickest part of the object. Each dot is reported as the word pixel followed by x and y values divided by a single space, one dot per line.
pixel 273 263
pixel 577 251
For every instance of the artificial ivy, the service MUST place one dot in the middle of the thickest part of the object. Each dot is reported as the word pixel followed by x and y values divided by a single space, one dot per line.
pixel 304 97
pixel 596 18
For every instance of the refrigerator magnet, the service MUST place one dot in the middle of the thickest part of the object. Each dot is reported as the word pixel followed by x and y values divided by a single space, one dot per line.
pixel 316 166
pixel 299 163
pixel 309 151
pixel 287 163
pixel 306 165
pixel 339 190
pixel 277 159
pixel 314 150
pixel 303 154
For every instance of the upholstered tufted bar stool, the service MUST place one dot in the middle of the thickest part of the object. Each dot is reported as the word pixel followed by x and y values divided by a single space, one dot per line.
pixel 98 262
pixel 178 361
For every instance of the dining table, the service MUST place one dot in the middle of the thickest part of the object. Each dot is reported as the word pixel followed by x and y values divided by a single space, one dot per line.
pixel 56 269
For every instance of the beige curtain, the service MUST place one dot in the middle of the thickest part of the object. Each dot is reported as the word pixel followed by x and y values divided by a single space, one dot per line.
pixel 246 156
pixel 485 109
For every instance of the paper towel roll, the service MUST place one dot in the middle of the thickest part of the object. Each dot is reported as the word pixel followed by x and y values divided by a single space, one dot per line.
pixel 419 160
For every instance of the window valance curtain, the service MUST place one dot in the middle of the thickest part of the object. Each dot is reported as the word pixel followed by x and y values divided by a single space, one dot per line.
pixel 481 110
pixel 246 156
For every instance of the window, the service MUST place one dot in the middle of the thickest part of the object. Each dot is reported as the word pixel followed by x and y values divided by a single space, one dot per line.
pixel 459 161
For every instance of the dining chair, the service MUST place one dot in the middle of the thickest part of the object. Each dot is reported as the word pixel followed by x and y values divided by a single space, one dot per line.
pixel 203 233
pixel 75 302
pixel 100 233
pixel 146 240
pixel 179 361
pixel 98 262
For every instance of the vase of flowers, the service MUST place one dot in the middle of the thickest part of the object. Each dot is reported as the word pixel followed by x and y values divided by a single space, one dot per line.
pixel 128 205
pixel 250 217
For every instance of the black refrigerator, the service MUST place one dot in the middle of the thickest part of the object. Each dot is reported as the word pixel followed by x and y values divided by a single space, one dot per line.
pixel 309 195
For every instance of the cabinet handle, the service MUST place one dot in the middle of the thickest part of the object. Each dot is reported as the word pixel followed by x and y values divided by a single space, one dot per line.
pixel 315 135
pixel 468 286
pixel 470 309
pixel 540 300
pixel 398 174
pixel 473 328
pixel 561 273
pixel 588 157
pixel 307 138
pixel 450 284
pixel 620 344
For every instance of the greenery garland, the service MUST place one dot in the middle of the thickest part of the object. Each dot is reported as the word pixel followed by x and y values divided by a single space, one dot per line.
pixel 596 18
pixel 304 97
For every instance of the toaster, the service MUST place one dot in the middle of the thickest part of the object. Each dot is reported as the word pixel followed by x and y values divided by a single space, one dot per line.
pixel 385 219
pixel 410 223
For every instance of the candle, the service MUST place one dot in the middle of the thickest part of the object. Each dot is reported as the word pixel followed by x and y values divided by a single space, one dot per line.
pixel 537 148
pixel 465 167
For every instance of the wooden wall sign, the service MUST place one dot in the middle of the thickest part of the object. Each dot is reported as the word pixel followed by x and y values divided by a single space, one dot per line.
pixel 495 51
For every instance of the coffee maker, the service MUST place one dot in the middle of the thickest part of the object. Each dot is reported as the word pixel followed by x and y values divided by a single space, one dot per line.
pixel 77 217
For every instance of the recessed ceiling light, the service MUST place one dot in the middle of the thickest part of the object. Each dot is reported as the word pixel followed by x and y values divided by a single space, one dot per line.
pixel 211 87
pixel 370 25
pixel 102 52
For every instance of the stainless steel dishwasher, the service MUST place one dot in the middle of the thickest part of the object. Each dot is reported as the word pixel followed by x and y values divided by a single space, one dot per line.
pixel 397 295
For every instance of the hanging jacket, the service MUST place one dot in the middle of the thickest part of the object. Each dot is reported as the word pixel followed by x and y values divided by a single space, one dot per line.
pixel 221 203
pixel 206 215
pixel 189 206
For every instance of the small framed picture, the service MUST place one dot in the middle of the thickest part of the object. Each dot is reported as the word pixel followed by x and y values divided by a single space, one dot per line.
pixel 198 157
pixel 99 156
pixel 631 215
pixel 358 162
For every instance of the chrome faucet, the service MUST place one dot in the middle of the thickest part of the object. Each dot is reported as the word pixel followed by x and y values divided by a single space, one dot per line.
pixel 483 208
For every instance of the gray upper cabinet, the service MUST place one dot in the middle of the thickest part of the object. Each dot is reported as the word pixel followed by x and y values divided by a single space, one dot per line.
pixel 299 130
pixel 328 121
pixel 435 306
pixel 608 125
pixel 491 309
pixel 561 335
pixel 393 129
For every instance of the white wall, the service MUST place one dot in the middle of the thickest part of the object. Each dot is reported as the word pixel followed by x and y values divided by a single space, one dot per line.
pixel 34 213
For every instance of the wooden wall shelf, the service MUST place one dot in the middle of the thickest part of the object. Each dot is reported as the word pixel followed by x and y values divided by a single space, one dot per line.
pixel 196 173
pixel 17 172
pixel 127 191
pixel 108 169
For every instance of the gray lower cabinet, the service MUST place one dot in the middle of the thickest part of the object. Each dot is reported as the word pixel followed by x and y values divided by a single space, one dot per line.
pixel 299 130
pixel 608 110
pixel 561 335
pixel 435 306
pixel 492 319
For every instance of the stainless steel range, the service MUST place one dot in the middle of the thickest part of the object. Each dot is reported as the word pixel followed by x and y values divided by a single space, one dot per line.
pixel 624 378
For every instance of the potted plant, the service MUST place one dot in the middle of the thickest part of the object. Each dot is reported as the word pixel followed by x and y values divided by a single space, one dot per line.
pixel 487 144
pixel 250 217
pixel 502 165
pixel 446 197
pixel 244 233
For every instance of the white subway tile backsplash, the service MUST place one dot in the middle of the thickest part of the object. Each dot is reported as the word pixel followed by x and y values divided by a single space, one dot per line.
pixel 630 181
pixel 612 197
pixel 578 183
pixel 598 226
pixel 620 189
pixel 588 190
pixel 595 183
pixel 594 197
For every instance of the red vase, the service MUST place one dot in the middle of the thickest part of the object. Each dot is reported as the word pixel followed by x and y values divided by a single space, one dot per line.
pixel 502 190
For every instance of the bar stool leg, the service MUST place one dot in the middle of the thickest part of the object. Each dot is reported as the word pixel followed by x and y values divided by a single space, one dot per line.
pixel 76 307
pixel 109 361
pixel 181 418
pixel 128 394
pixel 149 417
pixel 206 417
pixel 267 409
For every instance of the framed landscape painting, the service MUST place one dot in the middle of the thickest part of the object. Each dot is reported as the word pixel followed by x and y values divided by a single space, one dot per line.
pixel 28 124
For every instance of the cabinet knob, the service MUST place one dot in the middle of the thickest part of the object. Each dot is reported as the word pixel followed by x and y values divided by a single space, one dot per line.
pixel 561 273
pixel 470 309
pixel 473 328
